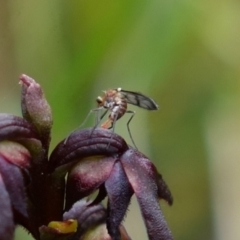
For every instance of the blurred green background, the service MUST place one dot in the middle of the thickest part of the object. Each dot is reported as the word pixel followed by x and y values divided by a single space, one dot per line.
pixel 184 54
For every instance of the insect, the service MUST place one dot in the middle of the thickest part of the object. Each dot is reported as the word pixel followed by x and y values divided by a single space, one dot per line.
pixel 116 101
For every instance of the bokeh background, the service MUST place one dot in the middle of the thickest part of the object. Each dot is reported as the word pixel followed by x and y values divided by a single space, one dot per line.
pixel 184 54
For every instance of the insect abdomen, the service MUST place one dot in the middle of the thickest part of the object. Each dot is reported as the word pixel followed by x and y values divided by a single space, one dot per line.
pixel 118 110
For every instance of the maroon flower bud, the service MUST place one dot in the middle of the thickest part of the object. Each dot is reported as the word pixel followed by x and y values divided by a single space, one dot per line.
pixel 35 107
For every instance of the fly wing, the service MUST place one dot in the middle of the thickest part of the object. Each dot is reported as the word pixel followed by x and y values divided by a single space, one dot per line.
pixel 139 100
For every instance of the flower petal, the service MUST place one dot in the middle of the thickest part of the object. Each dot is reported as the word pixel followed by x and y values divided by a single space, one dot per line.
pixel 92 222
pixel 13 127
pixel 119 194
pixel 15 153
pixel 86 143
pixel 146 190
pixel 6 216
pixel 86 215
pixel 86 177
pixel 14 182
pixel 163 190
pixel 17 129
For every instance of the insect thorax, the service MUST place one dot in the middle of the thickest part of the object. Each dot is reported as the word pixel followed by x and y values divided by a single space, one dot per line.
pixel 115 102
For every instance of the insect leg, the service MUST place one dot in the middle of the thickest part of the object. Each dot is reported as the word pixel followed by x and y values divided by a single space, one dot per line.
pixel 114 122
pixel 98 120
pixel 103 115
pixel 83 123
pixel 113 127
pixel 130 119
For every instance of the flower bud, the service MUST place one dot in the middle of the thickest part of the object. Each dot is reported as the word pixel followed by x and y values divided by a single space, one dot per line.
pixel 35 107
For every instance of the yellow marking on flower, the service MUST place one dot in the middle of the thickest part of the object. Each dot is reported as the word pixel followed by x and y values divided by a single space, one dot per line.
pixel 69 226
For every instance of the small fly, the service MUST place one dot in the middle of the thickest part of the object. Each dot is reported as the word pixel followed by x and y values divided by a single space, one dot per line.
pixel 115 101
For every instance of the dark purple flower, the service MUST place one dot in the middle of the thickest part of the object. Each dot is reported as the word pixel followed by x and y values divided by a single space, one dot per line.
pixel 34 192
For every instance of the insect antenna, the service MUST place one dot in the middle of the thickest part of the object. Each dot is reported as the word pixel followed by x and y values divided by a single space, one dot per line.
pixel 85 120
